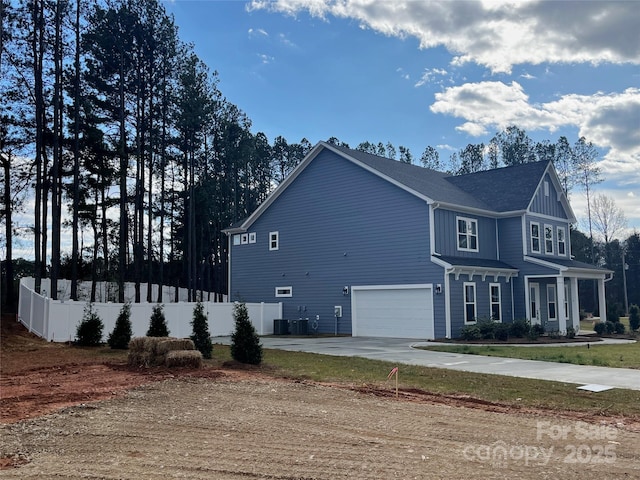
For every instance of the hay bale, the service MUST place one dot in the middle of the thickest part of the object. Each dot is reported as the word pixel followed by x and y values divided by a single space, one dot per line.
pixel 138 359
pixel 169 344
pixel 183 358
pixel 137 344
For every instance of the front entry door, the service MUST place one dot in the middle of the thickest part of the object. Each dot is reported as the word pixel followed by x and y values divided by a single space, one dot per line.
pixel 534 299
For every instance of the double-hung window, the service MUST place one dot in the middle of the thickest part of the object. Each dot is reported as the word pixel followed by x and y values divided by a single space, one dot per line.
pixel 494 300
pixel 562 243
pixel 548 239
pixel 535 237
pixel 469 302
pixel 467 234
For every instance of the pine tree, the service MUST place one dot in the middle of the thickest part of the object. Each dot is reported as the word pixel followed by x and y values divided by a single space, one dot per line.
pixel 201 337
pixel 245 343
pixel 121 335
pixel 158 324
pixel 89 331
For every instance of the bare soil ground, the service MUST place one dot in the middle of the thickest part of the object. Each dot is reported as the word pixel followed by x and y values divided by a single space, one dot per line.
pixel 64 415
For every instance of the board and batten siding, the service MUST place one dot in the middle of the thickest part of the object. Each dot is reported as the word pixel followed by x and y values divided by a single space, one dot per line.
pixel 446 234
pixel 338 225
pixel 547 200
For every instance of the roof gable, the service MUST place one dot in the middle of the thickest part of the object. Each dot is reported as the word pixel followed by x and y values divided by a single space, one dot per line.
pixel 505 190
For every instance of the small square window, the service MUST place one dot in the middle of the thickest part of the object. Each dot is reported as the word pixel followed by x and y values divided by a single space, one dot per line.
pixel 236 239
pixel 244 239
pixel 252 237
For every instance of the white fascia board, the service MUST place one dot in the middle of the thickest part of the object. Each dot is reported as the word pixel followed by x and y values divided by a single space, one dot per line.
pixel 571 216
pixel 479 211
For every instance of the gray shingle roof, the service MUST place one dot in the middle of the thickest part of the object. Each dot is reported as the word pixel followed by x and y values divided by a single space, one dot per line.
pixel 500 190
pixel 476 262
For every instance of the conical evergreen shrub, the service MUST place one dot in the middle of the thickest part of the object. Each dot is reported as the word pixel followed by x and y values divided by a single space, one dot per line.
pixel 245 343
pixel 158 324
pixel 201 337
pixel 89 331
pixel 122 333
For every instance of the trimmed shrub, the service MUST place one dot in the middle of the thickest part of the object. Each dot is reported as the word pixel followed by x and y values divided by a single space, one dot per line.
pixel 634 317
pixel 487 329
pixel 89 331
pixel 535 332
pixel 610 327
pixel 121 335
pixel 519 328
pixel 470 332
pixel 571 332
pixel 599 328
pixel 201 336
pixel 619 328
pixel 245 343
pixel 158 324
pixel 501 331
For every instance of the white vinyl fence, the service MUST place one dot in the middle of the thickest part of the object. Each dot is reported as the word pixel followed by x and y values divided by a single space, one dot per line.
pixel 57 320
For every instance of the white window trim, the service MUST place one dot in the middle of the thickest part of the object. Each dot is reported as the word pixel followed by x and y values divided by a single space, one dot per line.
pixel 244 239
pixel 469 235
pixel 284 292
pixel 475 303
pixel 546 188
pixel 550 227
pixel 564 241
pixel 252 237
pixel 274 237
pixel 531 224
pixel 492 303
pixel 551 292
pixel 236 239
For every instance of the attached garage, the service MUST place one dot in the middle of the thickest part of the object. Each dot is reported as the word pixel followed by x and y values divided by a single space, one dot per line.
pixel 401 311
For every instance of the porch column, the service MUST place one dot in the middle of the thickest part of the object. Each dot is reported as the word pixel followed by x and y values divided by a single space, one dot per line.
pixel 562 318
pixel 602 301
pixel 575 304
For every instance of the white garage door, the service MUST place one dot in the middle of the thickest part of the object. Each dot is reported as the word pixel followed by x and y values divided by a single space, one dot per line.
pixel 401 311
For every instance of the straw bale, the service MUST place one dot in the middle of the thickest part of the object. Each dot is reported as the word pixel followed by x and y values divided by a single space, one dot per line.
pixel 138 359
pixel 137 344
pixel 184 358
pixel 169 344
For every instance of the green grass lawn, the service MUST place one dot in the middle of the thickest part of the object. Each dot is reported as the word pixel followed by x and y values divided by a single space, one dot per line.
pixel 512 391
pixel 621 356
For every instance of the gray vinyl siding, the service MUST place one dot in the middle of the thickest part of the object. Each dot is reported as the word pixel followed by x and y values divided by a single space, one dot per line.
pixel 483 304
pixel 548 204
pixel 339 225
pixel 446 235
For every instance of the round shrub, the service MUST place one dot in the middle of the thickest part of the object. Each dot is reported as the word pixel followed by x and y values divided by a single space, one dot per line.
pixel 634 317
pixel 487 329
pixel 571 332
pixel 599 328
pixel 520 328
pixel 535 331
pixel 619 328
pixel 501 331
pixel 610 327
pixel 470 332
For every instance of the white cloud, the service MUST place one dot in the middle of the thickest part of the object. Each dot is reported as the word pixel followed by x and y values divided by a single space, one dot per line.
pixel 429 75
pixel 497 34
pixel 254 32
pixel 265 59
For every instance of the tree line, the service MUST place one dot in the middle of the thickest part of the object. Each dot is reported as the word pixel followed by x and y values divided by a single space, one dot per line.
pixel 117 130
pixel 106 113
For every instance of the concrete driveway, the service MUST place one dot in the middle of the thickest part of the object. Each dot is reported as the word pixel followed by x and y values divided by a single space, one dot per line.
pixel 403 351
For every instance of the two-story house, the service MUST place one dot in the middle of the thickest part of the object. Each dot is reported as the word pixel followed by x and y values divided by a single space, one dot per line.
pixel 365 245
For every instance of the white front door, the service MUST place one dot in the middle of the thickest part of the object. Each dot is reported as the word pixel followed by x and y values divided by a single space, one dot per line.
pixel 534 303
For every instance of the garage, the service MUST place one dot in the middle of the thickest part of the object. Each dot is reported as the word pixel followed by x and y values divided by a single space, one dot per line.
pixel 401 311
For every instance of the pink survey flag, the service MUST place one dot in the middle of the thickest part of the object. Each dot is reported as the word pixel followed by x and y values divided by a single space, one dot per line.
pixel 394 370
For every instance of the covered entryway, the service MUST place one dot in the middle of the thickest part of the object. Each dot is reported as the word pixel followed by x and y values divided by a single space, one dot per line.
pixel 401 311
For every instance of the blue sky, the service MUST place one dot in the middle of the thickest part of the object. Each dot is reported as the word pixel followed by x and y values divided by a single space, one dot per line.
pixel 444 74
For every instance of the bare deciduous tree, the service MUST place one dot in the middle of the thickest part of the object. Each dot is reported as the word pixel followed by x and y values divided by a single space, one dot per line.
pixel 608 220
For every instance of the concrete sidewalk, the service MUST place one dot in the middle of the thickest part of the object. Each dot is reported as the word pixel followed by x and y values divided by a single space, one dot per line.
pixel 403 351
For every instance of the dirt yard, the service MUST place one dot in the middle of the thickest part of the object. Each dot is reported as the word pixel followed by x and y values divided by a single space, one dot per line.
pixel 83 419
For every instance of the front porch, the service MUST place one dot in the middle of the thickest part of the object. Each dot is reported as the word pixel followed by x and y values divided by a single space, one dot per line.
pixel 552 299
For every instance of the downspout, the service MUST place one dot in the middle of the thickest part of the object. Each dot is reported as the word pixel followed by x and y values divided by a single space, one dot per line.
pixel 229 244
